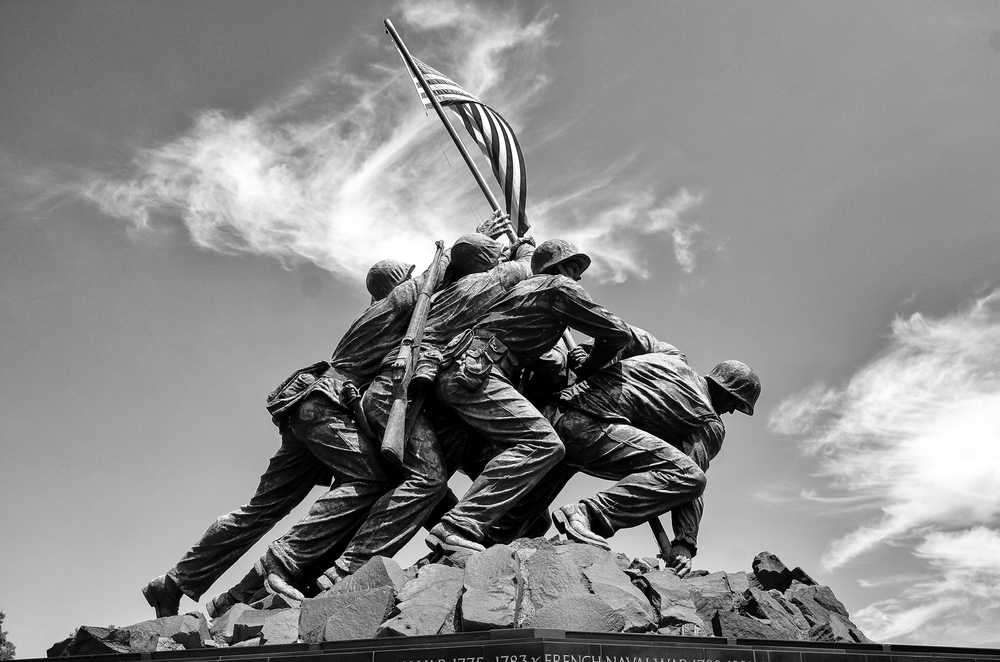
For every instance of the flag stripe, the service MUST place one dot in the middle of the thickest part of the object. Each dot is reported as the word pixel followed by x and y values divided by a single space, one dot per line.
pixel 491 132
pixel 499 145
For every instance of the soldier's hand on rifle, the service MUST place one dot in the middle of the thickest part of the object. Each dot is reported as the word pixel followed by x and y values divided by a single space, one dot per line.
pixel 577 357
pixel 679 559
pixel 496 225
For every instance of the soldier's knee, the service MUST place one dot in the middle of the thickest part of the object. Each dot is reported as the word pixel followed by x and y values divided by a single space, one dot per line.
pixel 699 482
pixel 431 479
pixel 438 482
pixel 554 448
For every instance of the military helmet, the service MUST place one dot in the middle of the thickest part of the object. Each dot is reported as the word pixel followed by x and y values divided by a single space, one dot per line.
pixel 385 275
pixel 740 381
pixel 474 253
pixel 550 254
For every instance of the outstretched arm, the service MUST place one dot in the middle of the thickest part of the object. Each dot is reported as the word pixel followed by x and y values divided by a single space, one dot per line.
pixel 644 342
pixel 701 446
pixel 574 308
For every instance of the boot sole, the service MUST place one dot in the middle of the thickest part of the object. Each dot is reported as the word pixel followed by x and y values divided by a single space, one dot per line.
pixel 444 547
pixel 563 526
pixel 161 612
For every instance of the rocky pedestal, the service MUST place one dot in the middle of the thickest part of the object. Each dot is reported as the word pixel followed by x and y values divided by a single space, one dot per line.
pixel 537 583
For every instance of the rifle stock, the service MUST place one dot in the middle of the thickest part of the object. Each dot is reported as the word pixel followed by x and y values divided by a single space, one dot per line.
pixel 394 439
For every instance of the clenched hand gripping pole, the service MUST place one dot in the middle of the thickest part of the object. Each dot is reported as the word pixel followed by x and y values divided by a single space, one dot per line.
pixel 408 59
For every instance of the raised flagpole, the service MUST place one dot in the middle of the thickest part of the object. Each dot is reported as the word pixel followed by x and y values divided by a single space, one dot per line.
pixel 658 533
pixel 408 59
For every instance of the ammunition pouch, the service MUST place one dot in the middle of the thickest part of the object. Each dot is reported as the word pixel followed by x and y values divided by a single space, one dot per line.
pixel 294 389
pixel 426 370
pixel 474 354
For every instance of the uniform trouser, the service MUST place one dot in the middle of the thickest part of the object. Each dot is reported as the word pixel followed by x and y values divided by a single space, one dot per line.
pixel 530 447
pixel 653 477
pixel 319 438
pixel 400 512
pixel 360 481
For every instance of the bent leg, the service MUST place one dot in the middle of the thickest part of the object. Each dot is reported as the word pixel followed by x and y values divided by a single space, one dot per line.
pixel 331 436
pixel 503 417
pixel 289 477
pixel 399 513
pixel 653 476
pixel 529 517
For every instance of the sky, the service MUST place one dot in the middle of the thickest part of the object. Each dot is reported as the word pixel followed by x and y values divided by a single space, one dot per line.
pixel 192 192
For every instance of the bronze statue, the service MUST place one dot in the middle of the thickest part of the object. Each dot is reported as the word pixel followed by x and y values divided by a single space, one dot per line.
pixel 651 423
pixel 319 441
pixel 482 365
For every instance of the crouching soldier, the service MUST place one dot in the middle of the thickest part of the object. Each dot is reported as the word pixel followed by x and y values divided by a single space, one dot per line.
pixel 653 424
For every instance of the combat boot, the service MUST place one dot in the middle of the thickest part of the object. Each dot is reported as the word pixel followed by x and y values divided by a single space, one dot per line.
pixel 572 521
pixel 243 593
pixel 333 576
pixel 445 539
pixel 164 595
pixel 276 577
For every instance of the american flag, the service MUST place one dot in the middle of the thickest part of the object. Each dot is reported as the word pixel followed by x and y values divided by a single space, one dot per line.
pixel 491 132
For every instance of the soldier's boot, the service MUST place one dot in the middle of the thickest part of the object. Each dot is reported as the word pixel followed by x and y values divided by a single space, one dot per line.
pixel 220 604
pixel 276 577
pixel 572 521
pixel 333 576
pixel 448 541
pixel 164 595
pixel 243 592
pixel 433 557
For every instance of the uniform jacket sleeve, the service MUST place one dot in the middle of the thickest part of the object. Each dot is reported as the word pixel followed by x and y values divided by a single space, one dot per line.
pixel 701 446
pixel 574 308
pixel 513 271
pixel 643 342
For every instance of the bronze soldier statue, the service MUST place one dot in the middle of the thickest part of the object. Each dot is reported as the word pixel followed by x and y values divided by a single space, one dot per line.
pixel 380 525
pixel 482 365
pixel 319 440
pixel 475 261
pixel 653 424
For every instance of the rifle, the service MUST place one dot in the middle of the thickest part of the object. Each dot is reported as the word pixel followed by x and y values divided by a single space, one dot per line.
pixel 394 439
pixel 659 534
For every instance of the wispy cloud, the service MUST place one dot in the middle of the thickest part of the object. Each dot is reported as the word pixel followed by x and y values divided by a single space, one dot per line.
pixel 623 224
pixel 957 604
pixel 344 169
pixel 911 442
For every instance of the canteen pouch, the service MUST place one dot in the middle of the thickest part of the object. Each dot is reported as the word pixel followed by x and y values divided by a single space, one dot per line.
pixel 475 363
pixel 455 348
pixel 427 367
pixel 291 391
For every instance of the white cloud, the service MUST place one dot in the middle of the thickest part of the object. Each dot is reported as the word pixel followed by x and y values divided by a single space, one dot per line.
pixel 344 169
pixel 910 444
pixel 623 223
pixel 344 160
pixel 957 604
